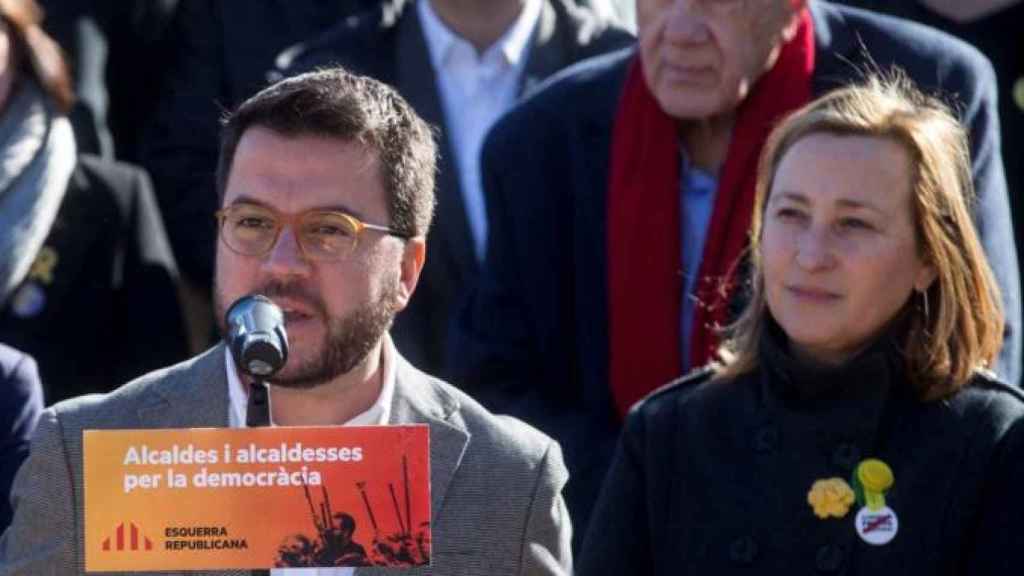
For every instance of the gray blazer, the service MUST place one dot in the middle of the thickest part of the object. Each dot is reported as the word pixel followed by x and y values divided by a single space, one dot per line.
pixel 496 483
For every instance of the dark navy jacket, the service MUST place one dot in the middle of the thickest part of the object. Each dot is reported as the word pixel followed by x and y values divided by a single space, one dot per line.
pixel 533 341
pixel 21 401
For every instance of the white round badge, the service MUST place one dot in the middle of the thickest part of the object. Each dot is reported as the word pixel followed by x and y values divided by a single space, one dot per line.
pixel 877 527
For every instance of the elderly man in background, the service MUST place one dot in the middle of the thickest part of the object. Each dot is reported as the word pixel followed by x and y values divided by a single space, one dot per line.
pixel 20 405
pixel 619 201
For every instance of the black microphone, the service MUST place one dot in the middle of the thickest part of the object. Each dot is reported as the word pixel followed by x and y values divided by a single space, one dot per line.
pixel 256 336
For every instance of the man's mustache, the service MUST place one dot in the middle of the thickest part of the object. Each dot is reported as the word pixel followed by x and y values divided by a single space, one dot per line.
pixel 294 291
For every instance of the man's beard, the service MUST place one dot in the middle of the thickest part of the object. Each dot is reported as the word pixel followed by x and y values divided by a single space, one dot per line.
pixel 348 340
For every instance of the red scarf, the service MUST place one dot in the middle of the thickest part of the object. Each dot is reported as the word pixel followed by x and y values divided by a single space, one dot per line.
pixel 645 282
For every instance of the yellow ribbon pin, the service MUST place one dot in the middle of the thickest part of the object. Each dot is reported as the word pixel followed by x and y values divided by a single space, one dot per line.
pixel 874 478
pixel 42 267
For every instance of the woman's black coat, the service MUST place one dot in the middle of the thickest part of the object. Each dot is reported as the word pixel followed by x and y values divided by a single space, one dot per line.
pixel 711 476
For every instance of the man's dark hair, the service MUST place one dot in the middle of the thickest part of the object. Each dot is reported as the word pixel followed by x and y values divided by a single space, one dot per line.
pixel 334 103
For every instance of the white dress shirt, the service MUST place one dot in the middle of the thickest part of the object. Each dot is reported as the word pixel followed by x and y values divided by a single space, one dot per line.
pixel 475 90
pixel 379 413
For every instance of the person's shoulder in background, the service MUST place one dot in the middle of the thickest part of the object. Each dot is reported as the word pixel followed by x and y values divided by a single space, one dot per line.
pixel 21 401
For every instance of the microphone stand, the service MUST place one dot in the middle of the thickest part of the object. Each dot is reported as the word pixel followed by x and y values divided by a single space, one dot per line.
pixel 257 414
pixel 259 344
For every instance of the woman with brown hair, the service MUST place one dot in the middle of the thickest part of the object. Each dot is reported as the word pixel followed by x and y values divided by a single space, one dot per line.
pixel 852 425
pixel 88 285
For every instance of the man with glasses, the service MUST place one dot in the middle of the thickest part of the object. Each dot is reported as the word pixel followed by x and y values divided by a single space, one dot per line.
pixel 619 200
pixel 326 191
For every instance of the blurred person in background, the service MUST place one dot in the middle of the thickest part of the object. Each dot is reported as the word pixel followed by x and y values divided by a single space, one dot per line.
pixel 992 26
pixel 88 285
pixel 21 401
pixel 461 64
pixel 218 54
pixel 853 425
pixel 118 52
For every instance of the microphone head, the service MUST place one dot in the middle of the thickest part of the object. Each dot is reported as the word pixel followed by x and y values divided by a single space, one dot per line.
pixel 256 336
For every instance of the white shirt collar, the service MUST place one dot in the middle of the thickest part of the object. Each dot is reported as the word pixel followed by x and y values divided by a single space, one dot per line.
pixel 377 414
pixel 512 45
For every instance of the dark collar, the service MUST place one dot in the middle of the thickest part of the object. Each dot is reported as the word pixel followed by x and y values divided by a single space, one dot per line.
pixel 850 398
pixel 806 382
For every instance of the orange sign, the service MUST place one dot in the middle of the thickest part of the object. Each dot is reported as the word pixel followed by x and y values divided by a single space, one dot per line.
pixel 256 498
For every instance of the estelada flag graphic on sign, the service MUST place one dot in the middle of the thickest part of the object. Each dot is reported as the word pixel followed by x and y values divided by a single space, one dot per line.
pixel 257 498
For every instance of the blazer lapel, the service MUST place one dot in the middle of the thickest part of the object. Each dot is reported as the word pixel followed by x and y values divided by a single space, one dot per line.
pixel 418 400
pixel 196 397
pixel 417 82
pixel 590 221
